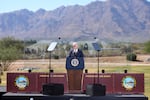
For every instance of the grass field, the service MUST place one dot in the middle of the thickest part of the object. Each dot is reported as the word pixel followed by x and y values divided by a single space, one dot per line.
pixel 58 66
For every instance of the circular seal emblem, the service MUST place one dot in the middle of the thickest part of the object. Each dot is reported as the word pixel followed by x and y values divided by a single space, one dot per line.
pixel 128 82
pixel 21 82
pixel 74 62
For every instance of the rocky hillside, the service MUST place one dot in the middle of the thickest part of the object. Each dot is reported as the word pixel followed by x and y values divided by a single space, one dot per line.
pixel 127 20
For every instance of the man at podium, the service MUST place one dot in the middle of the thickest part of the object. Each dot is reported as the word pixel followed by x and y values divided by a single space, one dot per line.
pixel 75 51
pixel 75 66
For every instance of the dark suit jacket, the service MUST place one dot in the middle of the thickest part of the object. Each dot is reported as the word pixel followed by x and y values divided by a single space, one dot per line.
pixel 77 54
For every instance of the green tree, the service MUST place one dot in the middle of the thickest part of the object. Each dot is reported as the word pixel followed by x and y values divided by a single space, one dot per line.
pixel 10 50
pixel 147 47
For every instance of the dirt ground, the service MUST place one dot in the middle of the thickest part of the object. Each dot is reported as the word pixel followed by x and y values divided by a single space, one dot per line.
pixel 89 62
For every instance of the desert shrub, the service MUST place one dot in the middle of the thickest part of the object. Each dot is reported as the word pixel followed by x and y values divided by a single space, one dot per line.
pixel 147 47
pixel 56 57
pixel 131 57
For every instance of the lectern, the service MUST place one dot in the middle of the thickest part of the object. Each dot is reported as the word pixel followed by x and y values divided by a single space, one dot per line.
pixel 74 67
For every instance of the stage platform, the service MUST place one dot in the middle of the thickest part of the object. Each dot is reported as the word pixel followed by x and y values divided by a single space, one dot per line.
pixel 31 86
pixel 30 96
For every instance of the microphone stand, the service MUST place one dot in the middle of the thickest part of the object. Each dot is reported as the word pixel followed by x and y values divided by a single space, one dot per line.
pixel 97 48
pixel 49 67
pixel 98 66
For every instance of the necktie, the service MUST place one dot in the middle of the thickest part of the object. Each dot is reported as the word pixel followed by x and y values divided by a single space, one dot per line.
pixel 75 50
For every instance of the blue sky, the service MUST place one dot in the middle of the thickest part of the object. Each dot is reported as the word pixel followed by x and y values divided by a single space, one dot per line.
pixel 34 5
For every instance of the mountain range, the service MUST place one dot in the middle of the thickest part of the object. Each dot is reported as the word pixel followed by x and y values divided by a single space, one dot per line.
pixel 119 20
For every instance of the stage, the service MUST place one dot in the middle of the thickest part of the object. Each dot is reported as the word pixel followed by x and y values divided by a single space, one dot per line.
pixel 93 86
pixel 119 86
pixel 29 86
pixel 28 96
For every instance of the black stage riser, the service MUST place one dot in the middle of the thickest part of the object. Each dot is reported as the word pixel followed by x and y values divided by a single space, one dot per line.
pixel 1 93
pixel 71 98
pixel 53 89
pixel 95 90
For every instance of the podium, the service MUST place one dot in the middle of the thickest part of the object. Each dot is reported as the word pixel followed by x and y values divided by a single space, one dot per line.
pixel 74 67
